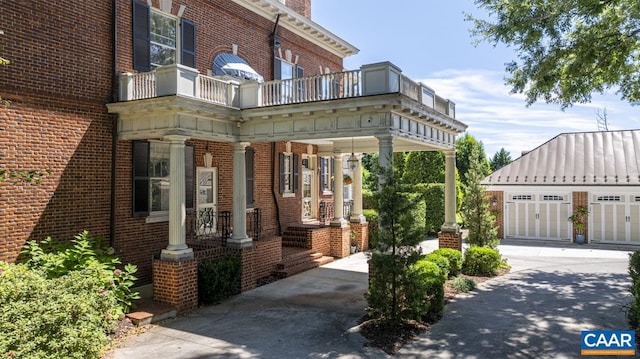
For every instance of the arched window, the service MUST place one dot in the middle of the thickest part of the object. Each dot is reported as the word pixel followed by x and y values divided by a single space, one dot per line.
pixel 234 65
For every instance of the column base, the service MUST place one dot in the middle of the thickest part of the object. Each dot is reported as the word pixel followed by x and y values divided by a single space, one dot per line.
pixel 240 242
pixel 450 228
pixel 176 255
pixel 340 222
pixel 358 219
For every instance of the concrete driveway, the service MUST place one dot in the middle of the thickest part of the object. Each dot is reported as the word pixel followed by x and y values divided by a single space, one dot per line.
pixel 538 310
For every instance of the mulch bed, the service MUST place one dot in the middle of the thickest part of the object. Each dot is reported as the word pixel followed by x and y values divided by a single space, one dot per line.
pixel 391 337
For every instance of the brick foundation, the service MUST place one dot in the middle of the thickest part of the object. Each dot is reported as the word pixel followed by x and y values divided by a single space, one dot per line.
pixel 340 241
pixel 362 234
pixel 176 283
pixel 450 240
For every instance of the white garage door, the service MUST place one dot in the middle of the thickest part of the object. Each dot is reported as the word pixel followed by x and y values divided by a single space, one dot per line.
pixel 615 218
pixel 537 216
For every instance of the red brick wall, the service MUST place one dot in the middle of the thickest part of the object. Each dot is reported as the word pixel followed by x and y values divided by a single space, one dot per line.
pixel 498 210
pixel 221 23
pixel 321 240
pixel 580 199
pixel 450 240
pixel 362 234
pixel 176 283
pixel 302 7
pixel 58 82
pixel 340 241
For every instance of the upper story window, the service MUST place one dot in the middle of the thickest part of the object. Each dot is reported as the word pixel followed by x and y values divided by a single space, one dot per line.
pixel 163 31
pixel 161 39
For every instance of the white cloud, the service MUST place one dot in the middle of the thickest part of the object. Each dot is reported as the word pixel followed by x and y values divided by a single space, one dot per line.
pixel 500 119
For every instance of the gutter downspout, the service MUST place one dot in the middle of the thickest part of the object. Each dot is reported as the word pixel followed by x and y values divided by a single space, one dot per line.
pixel 114 129
pixel 274 157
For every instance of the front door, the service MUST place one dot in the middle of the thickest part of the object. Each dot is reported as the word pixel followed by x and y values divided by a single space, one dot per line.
pixel 309 195
pixel 207 200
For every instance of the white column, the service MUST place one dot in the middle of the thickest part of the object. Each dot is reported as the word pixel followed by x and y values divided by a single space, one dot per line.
pixel 450 224
pixel 338 192
pixel 177 249
pixel 385 157
pixel 239 237
pixel 356 215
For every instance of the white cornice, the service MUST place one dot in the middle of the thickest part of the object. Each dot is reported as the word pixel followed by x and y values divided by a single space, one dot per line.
pixel 300 25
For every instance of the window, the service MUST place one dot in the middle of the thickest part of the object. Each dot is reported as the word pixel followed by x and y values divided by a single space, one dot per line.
pixel 522 197
pixel 288 173
pixel 608 199
pixel 552 198
pixel 326 172
pixel 151 178
pixel 284 70
pixel 158 40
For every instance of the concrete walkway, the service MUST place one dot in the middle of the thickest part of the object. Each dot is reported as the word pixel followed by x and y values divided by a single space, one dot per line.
pixel 538 310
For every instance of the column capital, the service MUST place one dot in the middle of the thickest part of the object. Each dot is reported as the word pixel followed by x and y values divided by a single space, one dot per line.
pixel 176 138
pixel 241 145
pixel 450 153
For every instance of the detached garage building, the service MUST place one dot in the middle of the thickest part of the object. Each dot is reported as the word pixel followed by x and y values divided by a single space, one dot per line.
pixel 534 196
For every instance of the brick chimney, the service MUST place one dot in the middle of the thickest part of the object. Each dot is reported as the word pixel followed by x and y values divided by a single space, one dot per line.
pixel 302 7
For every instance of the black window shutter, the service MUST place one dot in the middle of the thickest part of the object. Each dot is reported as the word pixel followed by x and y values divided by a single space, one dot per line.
pixel 323 165
pixel 296 173
pixel 333 172
pixel 281 173
pixel 189 173
pixel 277 68
pixel 140 185
pixel 141 38
pixel 249 156
pixel 188 54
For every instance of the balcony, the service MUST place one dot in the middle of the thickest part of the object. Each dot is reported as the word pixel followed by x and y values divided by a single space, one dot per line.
pixel 343 111
pixel 375 79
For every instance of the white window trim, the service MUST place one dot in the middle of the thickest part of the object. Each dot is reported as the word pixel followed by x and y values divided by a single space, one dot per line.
pixel 178 48
pixel 288 193
pixel 328 179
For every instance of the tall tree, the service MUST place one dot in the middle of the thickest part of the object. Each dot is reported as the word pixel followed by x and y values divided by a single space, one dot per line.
pixel 500 159
pixel 424 167
pixel 475 209
pixel 465 155
pixel 567 50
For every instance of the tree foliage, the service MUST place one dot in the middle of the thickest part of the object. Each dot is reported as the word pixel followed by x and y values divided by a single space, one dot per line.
pixel 475 209
pixel 500 159
pixel 424 167
pixel 567 50
pixel 465 156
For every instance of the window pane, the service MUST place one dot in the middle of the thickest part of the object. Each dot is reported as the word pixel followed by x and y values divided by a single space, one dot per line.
pixel 163 39
pixel 159 194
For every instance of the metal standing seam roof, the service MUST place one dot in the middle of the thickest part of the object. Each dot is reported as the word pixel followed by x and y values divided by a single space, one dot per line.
pixel 610 158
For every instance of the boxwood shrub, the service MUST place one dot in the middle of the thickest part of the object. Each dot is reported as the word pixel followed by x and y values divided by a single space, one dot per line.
pixel 455 259
pixel 218 279
pixel 441 261
pixel 481 261
pixel 424 291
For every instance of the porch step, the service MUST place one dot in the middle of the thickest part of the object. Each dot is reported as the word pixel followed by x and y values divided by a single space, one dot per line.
pixel 299 263
pixel 148 311
pixel 298 236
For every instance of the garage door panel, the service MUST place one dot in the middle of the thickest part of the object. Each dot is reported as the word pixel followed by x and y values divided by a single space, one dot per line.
pixel 634 222
pixel 542 216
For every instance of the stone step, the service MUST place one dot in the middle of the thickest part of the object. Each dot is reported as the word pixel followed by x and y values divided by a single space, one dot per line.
pixel 148 311
pixel 302 267
pixel 298 258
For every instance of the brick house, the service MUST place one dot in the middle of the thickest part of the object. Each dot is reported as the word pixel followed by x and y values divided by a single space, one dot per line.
pixel 191 129
pixel 534 195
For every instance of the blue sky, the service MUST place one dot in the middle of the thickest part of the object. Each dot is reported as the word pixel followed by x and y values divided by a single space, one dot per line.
pixel 430 41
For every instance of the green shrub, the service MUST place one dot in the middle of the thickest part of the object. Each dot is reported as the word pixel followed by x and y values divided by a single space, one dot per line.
pixel 56 259
pixel 633 309
pixel 218 279
pixel 424 291
pixel 372 219
pixel 441 261
pixel 64 317
pixel 481 261
pixel 462 284
pixel 455 259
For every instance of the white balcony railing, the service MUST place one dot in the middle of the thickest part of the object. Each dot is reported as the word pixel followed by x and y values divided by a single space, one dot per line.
pixel 374 79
